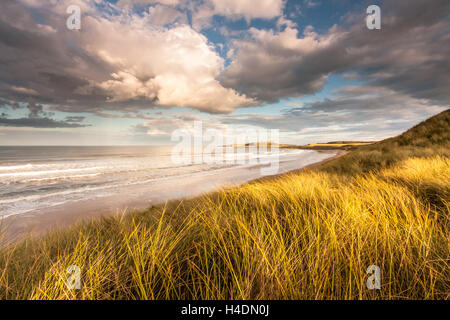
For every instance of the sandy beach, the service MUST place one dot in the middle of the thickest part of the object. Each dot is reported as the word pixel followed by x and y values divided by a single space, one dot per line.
pixel 140 197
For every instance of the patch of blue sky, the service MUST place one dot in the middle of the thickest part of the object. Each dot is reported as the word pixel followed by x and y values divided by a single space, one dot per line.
pixel 107 8
pixel 320 14
pixel 15 113
pixel 334 82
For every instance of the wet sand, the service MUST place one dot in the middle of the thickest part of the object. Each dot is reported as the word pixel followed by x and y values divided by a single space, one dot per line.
pixel 141 197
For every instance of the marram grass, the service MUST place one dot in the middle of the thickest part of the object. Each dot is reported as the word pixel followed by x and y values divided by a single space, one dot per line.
pixel 305 235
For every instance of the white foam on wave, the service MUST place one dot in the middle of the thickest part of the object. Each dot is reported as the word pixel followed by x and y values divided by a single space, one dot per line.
pixel 10 168
pixel 46 172
pixel 41 186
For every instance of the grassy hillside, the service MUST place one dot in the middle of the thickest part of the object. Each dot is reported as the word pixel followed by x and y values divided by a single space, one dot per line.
pixel 335 146
pixel 304 235
pixel 429 138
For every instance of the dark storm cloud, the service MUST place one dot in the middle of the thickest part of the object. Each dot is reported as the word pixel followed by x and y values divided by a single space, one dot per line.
pixel 41 60
pixel 38 118
pixel 39 123
pixel 45 62
pixel 115 62
pixel 74 119
pixel 35 110
pixel 410 54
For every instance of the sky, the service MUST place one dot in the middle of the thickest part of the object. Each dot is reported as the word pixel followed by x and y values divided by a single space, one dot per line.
pixel 136 71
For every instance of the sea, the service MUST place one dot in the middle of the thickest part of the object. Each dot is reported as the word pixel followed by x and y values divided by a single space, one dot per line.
pixel 37 178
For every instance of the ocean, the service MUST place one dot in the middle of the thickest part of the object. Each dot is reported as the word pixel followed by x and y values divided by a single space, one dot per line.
pixel 37 178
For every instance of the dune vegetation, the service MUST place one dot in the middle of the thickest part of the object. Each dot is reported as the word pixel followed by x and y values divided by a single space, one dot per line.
pixel 340 145
pixel 309 234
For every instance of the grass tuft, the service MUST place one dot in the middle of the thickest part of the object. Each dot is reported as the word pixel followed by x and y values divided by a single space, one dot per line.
pixel 304 235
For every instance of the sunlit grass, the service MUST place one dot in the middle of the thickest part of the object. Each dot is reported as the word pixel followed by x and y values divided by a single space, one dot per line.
pixel 305 235
pixel 308 235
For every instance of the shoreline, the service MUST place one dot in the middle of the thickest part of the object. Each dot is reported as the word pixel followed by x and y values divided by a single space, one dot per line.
pixel 14 229
pixel 339 153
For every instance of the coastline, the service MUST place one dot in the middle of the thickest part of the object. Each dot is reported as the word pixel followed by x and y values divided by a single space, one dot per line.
pixel 339 153
pixel 58 218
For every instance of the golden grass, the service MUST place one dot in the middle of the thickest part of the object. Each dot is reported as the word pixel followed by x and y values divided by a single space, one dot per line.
pixel 307 235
